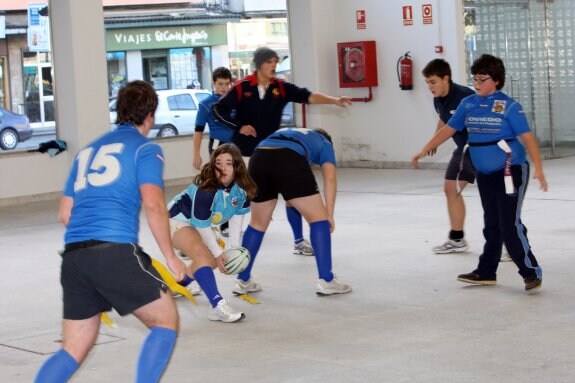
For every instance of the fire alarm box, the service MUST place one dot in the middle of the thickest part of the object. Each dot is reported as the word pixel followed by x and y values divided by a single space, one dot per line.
pixel 357 64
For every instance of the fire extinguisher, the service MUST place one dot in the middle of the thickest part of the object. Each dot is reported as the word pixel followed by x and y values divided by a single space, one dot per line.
pixel 405 72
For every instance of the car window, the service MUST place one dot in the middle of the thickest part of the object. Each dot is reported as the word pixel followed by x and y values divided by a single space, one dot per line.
pixel 172 103
pixel 202 96
pixel 181 102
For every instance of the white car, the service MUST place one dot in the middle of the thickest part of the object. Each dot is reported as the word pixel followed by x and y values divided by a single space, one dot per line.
pixel 176 113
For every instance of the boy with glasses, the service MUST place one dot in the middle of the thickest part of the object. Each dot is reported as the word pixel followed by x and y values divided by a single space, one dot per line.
pixel 495 122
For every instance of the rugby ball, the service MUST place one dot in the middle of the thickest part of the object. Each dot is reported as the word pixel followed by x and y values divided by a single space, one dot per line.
pixel 238 259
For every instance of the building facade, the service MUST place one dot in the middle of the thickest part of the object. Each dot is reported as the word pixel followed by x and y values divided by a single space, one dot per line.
pixel 170 45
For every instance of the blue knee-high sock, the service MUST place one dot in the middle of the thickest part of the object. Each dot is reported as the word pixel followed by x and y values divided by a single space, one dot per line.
pixel 320 238
pixel 155 354
pixel 186 281
pixel 57 369
pixel 295 221
pixel 207 281
pixel 252 240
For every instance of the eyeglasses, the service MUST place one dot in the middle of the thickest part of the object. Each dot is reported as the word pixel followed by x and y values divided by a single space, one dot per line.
pixel 480 80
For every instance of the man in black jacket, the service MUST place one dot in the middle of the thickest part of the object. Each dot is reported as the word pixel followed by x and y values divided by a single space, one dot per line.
pixel 258 101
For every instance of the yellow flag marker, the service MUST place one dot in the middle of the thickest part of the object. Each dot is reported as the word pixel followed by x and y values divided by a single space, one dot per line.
pixel 105 318
pixel 248 298
pixel 171 281
pixel 221 242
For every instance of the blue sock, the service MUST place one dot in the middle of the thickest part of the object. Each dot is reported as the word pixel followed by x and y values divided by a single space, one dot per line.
pixel 320 238
pixel 207 281
pixel 295 221
pixel 57 369
pixel 252 240
pixel 186 281
pixel 155 354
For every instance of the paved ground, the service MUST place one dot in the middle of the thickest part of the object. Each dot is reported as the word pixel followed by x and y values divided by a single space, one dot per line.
pixel 407 320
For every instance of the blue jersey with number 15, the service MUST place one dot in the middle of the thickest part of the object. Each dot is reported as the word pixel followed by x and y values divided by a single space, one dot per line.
pixel 105 184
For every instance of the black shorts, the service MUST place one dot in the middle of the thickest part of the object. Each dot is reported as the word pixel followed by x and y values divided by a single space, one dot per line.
pixel 97 278
pixel 467 173
pixel 281 171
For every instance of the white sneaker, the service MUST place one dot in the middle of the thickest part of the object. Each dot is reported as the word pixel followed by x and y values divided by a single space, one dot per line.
pixel 505 257
pixel 451 246
pixel 335 286
pixel 194 289
pixel 250 286
pixel 225 313
pixel 303 248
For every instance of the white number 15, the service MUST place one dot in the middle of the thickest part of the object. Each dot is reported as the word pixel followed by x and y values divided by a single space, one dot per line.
pixel 104 166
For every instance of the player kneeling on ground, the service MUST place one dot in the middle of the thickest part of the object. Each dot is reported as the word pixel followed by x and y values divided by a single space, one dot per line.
pixel 220 193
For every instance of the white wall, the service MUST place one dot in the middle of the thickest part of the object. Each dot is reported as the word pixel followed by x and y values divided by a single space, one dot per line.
pixel 135 68
pixel 264 5
pixel 387 131
pixel 220 57
pixel 382 133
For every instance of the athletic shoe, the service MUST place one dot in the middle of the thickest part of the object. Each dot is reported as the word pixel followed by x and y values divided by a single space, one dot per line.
pixel 451 246
pixel 225 313
pixel 303 248
pixel 476 279
pixel 532 283
pixel 505 257
pixel 194 289
pixel 335 286
pixel 246 287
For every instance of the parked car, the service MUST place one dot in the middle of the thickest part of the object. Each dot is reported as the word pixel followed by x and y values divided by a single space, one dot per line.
pixel 176 113
pixel 177 109
pixel 14 128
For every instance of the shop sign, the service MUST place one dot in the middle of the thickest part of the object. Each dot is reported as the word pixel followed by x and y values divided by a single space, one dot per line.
pixel 38 28
pixel 166 37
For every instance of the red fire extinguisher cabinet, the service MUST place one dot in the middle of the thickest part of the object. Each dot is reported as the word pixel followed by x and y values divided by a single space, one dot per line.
pixel 357 64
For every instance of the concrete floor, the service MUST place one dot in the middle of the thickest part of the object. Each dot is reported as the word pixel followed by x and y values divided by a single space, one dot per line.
pixel 407 320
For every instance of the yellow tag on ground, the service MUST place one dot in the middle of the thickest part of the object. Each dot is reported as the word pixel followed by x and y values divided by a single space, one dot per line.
pixel 105 318
pixel 249 299
pixel 171 281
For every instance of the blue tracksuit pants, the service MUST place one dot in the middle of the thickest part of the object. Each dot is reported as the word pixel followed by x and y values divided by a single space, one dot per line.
pixel 502 223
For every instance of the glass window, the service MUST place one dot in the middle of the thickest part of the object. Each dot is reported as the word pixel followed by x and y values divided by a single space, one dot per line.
pixel 3 82
pixel 38 89
pixel 116 72
pixel 155 66
pixel 202 96
pixel 181 102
